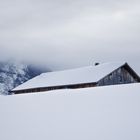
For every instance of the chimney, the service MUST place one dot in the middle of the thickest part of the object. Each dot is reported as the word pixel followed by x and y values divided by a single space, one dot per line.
pixel 96 64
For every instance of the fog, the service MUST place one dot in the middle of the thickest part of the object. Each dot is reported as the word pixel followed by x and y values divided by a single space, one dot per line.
pixel 63 34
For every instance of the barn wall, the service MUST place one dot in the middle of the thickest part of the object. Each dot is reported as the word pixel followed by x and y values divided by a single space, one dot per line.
pixel 41 89
pixel 120 76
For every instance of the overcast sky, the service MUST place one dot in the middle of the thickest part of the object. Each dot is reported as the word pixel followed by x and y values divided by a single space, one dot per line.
pixel 70 33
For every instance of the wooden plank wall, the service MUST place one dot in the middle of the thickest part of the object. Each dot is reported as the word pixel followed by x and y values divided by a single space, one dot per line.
pixel 120 76
pixel 82 85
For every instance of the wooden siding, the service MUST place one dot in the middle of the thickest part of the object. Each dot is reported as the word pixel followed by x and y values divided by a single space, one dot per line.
pixel 41 89
pixel 119 76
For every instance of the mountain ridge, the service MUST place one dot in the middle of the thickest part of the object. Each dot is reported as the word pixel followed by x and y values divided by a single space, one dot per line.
pixel 14 73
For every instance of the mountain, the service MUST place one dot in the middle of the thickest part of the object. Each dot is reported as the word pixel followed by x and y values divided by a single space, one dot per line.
pixel 13 74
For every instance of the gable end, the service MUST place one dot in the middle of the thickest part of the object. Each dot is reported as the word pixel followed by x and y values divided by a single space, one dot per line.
pixel 123 75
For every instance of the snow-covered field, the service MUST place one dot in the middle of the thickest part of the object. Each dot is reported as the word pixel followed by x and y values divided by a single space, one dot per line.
pixel 103 113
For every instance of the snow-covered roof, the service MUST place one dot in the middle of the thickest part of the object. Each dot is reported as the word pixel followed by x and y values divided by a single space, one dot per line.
pixel 70 77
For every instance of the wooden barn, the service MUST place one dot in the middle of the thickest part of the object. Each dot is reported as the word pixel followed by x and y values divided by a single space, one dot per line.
pixel 91 76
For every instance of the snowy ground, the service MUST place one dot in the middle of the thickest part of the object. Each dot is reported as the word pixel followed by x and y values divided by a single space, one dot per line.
pixel 104 113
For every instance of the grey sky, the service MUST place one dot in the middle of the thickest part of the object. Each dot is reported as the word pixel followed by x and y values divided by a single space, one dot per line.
pixel 70 33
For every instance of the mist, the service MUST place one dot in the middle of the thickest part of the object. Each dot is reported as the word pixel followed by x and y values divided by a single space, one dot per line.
pixel 72 33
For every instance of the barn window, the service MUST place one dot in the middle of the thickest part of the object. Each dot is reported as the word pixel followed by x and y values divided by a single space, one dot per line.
pixel 110 76
pixel 120 79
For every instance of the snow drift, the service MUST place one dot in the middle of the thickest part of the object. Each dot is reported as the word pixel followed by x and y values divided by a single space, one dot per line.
pixel 102 113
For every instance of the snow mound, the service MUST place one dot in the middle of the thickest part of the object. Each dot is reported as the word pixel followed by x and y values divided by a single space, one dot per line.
pixel 102 113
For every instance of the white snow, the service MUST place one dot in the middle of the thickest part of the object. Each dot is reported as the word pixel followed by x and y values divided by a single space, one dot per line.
pixel 102 113
pixel 74 76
